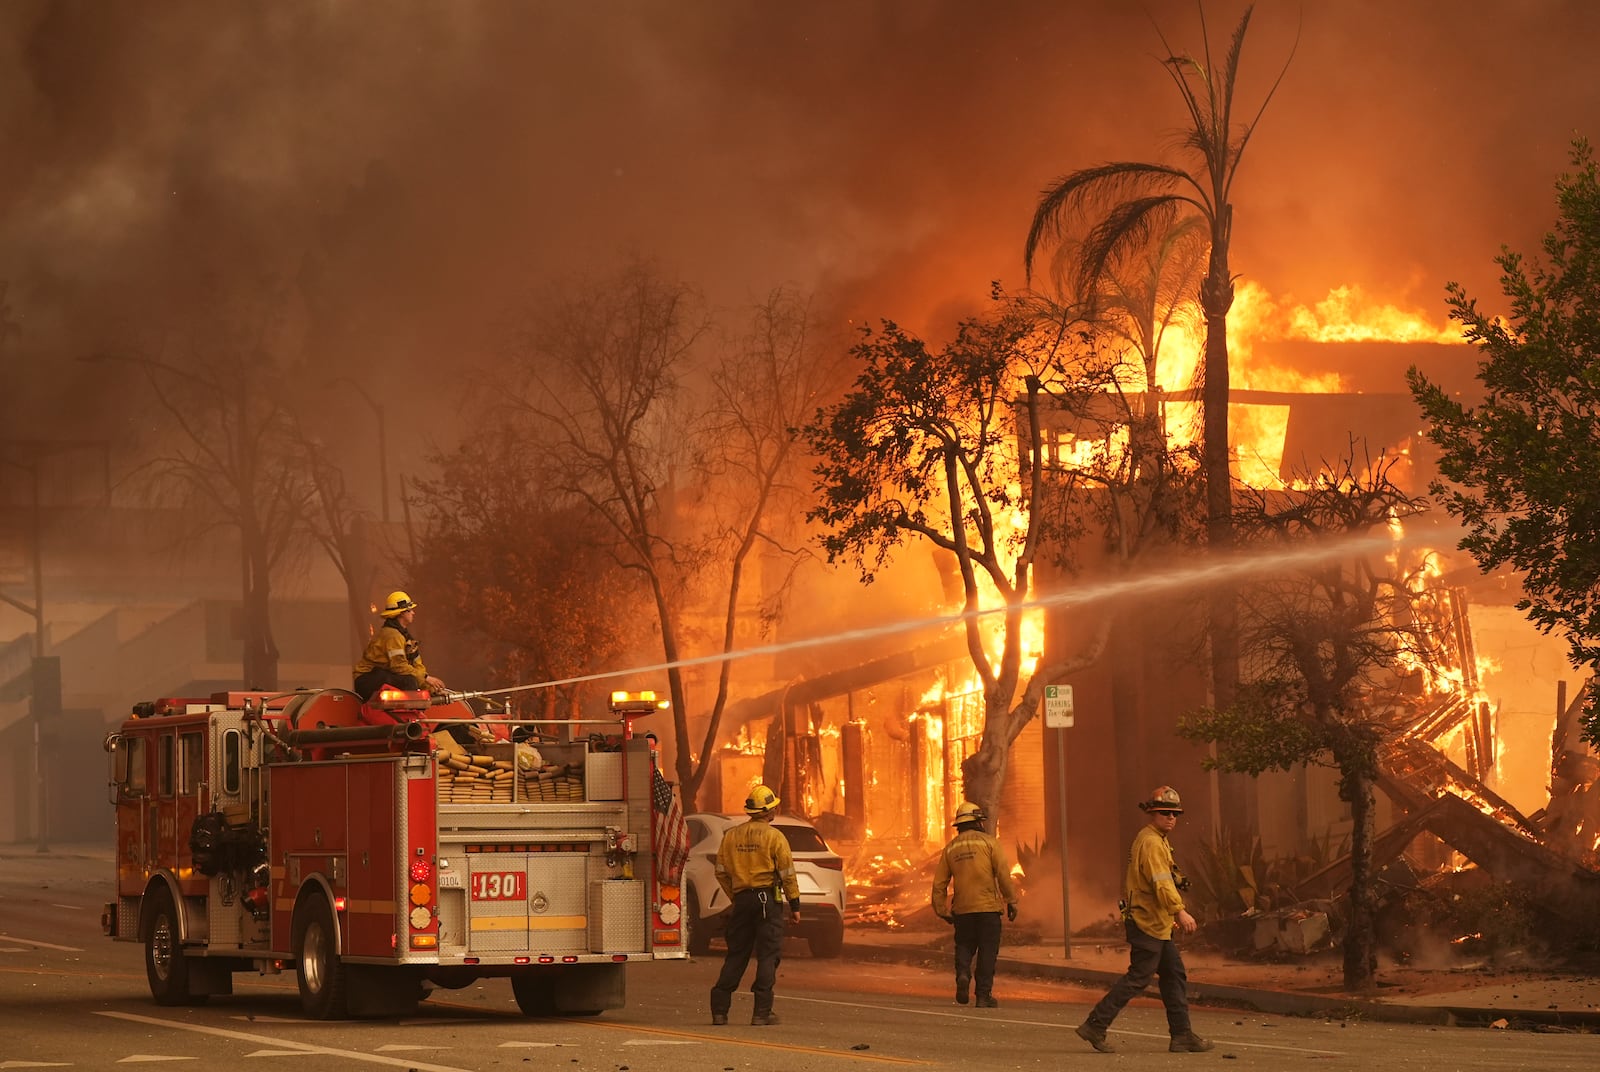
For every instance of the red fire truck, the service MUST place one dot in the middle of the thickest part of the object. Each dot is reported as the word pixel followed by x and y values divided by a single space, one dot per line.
pixel 359 844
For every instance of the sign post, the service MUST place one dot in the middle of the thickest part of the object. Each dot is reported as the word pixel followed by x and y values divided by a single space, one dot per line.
pixel 1058 717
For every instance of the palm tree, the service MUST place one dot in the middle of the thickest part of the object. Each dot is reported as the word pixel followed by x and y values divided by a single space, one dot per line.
pixel 1133 204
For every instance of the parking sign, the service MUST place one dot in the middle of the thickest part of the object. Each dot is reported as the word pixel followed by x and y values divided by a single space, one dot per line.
pixel 1057 706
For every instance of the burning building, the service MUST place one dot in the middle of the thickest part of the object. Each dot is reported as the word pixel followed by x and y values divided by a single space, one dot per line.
pixel 873 749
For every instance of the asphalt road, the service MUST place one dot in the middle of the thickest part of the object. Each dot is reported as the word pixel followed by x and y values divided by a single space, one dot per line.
pixel 70 998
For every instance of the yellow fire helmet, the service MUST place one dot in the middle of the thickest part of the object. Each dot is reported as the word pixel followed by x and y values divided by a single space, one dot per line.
pixel 968 813
pixel 760 801
pixel 1163 798
pixel 397 604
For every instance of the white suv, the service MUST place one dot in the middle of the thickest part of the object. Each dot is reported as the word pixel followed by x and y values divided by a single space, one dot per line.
pixel 818 869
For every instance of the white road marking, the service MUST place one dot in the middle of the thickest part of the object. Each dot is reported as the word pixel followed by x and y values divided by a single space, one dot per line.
pixel 662 1042
pixel 32 1064
pixel 13 949
pixel 1051 1023
pixel 41 945
pixel 275 1053
pixel 529 1045
pixel 146 1058
pixel 396 1046
pixel 69 907
pixel 263 1040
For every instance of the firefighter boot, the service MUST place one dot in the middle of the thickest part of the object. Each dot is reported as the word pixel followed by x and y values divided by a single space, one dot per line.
pixel 764 1019
pixel 1189 1042
pixel 718 1019
pixel 961 988
pixel 1096 1037
pixel 987 1001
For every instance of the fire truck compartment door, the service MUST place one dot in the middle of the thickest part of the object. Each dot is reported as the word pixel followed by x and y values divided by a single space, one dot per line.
pixel 527 902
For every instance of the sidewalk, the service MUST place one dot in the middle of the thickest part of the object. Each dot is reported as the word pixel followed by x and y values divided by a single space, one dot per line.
pixel 1307 988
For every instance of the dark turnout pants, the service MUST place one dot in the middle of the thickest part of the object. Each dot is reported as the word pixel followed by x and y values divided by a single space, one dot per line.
pixel 977 936
pixel 367 685
pixel 1148 956
pixel 755 924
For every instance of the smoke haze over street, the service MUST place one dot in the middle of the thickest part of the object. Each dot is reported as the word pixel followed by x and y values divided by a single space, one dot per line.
pixel 409 169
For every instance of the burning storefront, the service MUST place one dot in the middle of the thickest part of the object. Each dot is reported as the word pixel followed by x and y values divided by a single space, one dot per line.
pixel 873 751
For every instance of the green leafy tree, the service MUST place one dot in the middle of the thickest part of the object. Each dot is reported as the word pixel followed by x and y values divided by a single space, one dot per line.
pixel 1126 206
pixel 946 445
pixel 1518 467
pixel 1323 649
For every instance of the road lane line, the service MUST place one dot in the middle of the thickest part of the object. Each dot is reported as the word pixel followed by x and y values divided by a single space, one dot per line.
pixel 982 1018
pixel 264 1040
pixel 41 945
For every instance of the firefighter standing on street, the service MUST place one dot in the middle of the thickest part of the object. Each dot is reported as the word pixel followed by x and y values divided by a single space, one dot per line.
pixel 756 870
pixel 976 865
pixel 1152 908
pixel 393 656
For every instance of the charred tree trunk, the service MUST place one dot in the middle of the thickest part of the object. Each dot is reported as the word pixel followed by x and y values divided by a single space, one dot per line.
pixel 1127 714
pixel 260 655
pixel 1237 804
pixel 983 774
pixel 1361 937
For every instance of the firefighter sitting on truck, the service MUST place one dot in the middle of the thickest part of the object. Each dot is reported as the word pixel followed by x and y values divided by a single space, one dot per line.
pixel 393 657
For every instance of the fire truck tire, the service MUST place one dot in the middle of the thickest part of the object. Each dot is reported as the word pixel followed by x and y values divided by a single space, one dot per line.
pixel 535 994
pixel 699 941
pixel 321 971
pixel 165 964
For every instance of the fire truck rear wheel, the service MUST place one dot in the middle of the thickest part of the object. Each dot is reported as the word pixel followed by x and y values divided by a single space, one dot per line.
pixel 321 971
pixel 699 941
pixel 164 962
pixel 535 994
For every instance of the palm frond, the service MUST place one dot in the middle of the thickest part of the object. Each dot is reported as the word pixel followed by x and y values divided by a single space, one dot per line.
pixel 1128 227
pixel 1107 183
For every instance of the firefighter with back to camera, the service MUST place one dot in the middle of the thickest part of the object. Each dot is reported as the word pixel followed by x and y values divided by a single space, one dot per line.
pixel 1152 908
pixel 756 870
pixel 393 656
pixel 975 864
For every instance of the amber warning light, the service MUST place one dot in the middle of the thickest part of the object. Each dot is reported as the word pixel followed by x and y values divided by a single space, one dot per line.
pixel 637 703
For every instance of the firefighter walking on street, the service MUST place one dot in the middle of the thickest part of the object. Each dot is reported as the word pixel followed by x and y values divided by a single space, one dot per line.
pixel 756 870
pixel 1152 909
pixel 975 864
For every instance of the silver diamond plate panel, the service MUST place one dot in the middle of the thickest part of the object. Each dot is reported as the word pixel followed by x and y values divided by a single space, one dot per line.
pixel 516 822
pixel 602 776
pixel 452 922
pixel 224 917
pixel 128 918
pixel 616 916
pixel 551 920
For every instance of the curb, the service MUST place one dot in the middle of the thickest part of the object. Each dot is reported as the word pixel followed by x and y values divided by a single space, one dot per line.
pixel 1279 1002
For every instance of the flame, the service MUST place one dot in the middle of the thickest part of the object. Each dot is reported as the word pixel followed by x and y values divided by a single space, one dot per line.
pixel 1347 314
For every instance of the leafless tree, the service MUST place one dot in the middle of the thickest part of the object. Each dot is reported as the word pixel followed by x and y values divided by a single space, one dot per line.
pixel 231 450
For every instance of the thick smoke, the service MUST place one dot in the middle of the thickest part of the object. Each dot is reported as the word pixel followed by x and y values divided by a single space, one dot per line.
pixel 409 169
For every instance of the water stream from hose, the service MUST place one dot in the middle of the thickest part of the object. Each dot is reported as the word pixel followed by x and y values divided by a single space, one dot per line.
pixel 1206 573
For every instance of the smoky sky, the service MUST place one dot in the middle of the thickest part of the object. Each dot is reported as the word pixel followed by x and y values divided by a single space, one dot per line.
pixel 412 170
